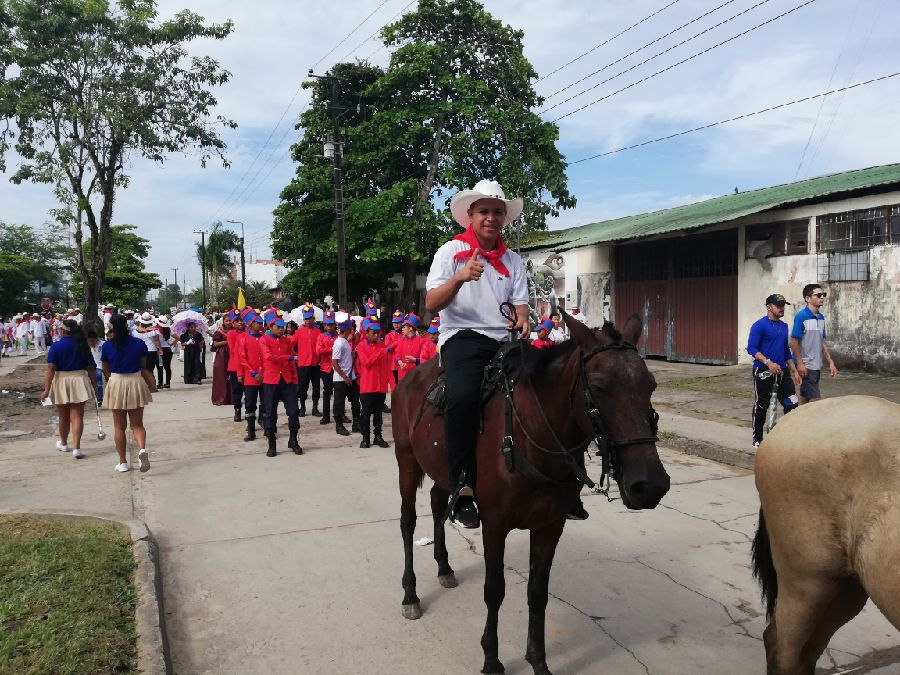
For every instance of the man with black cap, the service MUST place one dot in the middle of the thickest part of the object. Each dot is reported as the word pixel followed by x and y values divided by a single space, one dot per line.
pixel 768 345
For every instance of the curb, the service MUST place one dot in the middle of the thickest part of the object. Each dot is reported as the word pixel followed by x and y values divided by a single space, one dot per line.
pixel 717 453
pixel 152 642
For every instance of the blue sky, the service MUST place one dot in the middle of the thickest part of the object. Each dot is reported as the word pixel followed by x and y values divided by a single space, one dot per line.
pixel 824 45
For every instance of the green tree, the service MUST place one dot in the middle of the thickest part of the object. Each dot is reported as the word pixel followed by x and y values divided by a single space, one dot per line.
pixel 92 84
pixel 31 265
pixel 168 297
pixel 127 282
pixel 256 294
pixel 214 258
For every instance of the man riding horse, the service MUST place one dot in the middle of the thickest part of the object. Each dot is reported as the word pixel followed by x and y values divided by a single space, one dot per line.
pixel 470 277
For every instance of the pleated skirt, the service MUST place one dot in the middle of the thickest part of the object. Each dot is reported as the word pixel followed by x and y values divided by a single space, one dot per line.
pixel 70 386
pixel 126 391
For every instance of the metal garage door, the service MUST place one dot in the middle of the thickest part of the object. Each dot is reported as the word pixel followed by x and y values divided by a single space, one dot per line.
pixel 685 290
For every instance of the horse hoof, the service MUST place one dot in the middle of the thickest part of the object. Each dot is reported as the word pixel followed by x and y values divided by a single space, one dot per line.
pixel 448 580
pixel 412 612
pixel 493 668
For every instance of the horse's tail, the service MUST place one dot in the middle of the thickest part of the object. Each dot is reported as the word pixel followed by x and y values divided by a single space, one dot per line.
pixel 763 567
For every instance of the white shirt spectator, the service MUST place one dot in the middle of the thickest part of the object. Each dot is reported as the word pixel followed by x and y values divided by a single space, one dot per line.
pixel 147 337
pixel 342 354
pixel 38 327
pixel 477 305
pixel 580 317
pixel 558 335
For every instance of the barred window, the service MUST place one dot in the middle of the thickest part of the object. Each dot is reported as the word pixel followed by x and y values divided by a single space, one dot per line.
pixel 861 229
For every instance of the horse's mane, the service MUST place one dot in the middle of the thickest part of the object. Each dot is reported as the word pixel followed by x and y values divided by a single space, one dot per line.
pixel 534 362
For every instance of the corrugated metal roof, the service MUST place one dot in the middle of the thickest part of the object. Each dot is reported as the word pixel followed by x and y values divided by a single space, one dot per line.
pixel 717 210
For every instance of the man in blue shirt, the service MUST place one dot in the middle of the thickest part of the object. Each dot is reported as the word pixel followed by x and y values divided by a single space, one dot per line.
pixel 808 343
pixel 768 345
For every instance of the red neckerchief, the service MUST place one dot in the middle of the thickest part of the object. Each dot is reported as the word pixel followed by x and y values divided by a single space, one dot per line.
pixel 493 257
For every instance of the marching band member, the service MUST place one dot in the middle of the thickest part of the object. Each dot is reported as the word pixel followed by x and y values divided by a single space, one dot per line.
pixel 408 347
pixel 374 365
pixel 279 378
pixel 324 345
pixel 304 340
pixel 233 338
pixel 251 358
pixel 544 328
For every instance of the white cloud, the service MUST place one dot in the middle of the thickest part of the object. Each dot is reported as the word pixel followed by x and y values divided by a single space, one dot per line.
pixel 275 42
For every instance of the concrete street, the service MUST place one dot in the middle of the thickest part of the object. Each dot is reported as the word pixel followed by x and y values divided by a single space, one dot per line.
pixel 293 564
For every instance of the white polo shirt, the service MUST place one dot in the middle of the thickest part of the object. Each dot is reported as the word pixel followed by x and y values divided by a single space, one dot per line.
pixel 477 305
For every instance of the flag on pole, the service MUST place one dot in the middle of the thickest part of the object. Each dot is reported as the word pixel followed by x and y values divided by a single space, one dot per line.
pixel 241 302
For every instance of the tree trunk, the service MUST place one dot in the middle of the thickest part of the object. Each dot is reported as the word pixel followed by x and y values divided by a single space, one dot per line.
pixel 410 296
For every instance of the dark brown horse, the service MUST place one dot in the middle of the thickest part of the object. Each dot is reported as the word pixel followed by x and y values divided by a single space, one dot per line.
pixel 552 420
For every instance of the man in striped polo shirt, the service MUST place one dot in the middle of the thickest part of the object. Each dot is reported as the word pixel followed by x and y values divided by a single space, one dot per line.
pixel 808 343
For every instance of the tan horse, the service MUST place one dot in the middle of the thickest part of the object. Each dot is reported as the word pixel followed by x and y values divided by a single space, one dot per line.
pixel 829 528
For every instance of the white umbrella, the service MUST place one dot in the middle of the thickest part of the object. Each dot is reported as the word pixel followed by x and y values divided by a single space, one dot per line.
pixel 181 320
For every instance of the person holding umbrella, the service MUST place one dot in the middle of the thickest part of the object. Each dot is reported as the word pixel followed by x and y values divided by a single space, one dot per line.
pixel 68 360
pixel 192 343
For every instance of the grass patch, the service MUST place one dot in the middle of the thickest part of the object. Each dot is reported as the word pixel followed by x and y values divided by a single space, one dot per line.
pixel 667 435
pixel 67 600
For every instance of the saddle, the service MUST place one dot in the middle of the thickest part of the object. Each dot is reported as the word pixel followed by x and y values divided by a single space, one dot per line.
pixel 507 364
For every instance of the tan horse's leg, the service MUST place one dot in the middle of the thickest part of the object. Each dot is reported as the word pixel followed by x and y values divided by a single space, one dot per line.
pixel 849 601
pixel 878 569
pixel 802 601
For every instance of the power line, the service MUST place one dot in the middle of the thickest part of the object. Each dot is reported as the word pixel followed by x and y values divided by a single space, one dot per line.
pixel 683 61
pixel 736 118
pixel 281 119
pixel 375 34
pixel 607 41
pixel 661 37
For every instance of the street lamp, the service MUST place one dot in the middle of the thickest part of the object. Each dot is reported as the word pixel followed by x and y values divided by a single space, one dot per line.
pixel 243 267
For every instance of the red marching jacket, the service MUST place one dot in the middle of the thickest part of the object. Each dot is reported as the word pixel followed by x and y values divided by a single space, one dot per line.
pixel 305 340
pixel 391 341
pixel 251 359
pixel 234 337
pixel 428 351
pixel 542 344
pixel 406 347
pixel 373 363
pixel 277 363
pixel 324 345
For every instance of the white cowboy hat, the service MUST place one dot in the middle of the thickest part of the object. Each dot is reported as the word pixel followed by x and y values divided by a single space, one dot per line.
pixel 485 189
pixel 146 319
pixel 164 321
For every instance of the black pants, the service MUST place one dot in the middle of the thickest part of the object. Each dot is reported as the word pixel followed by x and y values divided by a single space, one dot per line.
pixel 152 360
pixel 464 357
pixel 343 391
pixel 252 394
pixel 191 365
pixel 327 390
pixel 164 368
pixel 287 394
pixel 763 381
pixel 307 374
pixel 370 408
pixel 237 389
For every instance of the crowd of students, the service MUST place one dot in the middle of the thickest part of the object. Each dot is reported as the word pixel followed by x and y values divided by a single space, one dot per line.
pixel 265 358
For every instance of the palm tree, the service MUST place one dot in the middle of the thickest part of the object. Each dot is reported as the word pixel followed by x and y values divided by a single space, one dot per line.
pixel 213 258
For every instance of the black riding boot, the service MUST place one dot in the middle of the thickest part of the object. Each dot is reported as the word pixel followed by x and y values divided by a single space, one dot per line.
pixel 251 428
pixel 380 442
pixel 271 451
pixel 237 414
pixel 294 444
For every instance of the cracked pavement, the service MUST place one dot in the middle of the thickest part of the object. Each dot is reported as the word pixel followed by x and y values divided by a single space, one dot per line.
pixel 293 564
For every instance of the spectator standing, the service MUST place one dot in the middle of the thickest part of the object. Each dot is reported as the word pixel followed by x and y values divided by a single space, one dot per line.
pixel 768 345
pixel 70 374
pixel 164 367
pixel 23 335
pixel 145 329
pixel 558 334
pixel 221 387
pixel 578 316
pixel 374 365
pixel 128 389
pixel 191 343
pixel 808 344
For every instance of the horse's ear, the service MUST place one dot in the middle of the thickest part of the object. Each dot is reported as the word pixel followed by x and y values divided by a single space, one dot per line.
pixel 633 329
pixel 579 332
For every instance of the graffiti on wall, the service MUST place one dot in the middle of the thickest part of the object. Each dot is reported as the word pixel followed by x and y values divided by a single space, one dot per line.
pixel 546 285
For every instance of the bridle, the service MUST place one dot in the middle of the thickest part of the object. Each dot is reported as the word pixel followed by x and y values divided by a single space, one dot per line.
pixel 607 448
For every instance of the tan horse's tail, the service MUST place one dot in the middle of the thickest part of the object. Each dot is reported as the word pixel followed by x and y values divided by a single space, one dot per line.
pixel 763 567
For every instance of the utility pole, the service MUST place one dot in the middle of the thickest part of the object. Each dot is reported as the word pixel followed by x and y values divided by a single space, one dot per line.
pixel 243 266
pixel 336 154
pixel 202 234
pixel 178 290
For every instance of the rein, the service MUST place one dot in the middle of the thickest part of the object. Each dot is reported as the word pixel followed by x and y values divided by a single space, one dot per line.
pixel 607 448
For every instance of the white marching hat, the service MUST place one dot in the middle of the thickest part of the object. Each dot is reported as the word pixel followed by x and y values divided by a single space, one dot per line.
pixel 146 319
pixel 485 189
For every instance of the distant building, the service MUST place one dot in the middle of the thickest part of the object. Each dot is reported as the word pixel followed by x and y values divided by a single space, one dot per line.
pixel 270 272
pixel 698 274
